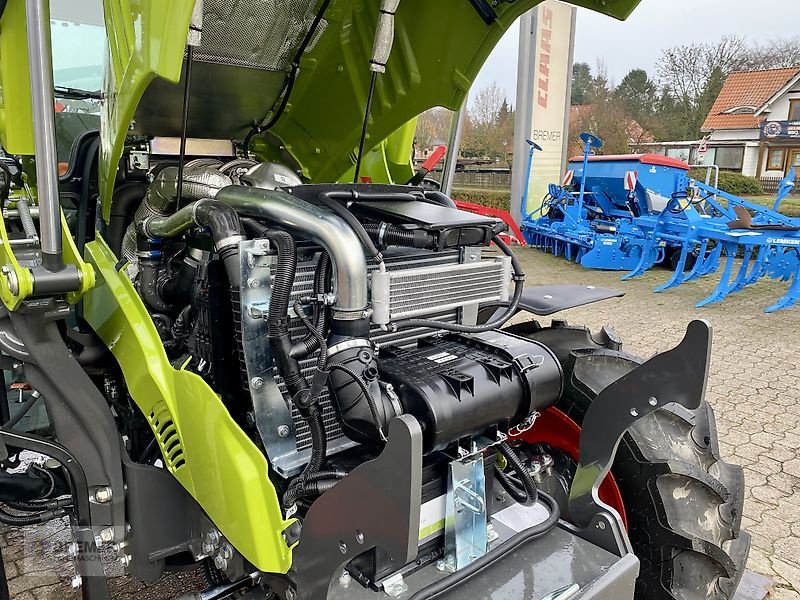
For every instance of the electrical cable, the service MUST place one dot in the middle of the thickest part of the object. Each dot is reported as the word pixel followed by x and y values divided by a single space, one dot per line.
pixel 256 129
pixel 447 584
pixel 528 494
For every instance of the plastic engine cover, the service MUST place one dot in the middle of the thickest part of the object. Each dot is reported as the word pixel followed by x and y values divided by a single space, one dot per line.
pixel 461 385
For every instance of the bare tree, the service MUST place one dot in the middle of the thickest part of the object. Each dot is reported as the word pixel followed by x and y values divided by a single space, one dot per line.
pixel 432 127
pixel 777 54
pixel 687 69
pixel 487 104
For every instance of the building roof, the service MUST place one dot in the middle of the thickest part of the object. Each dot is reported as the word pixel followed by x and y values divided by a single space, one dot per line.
pixel 743 95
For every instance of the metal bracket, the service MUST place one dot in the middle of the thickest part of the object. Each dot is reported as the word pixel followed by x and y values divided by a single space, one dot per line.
pixel 678 375
pixel 465 524
pixel 376 505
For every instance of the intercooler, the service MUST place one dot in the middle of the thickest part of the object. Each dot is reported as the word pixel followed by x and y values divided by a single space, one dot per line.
pixel 446 286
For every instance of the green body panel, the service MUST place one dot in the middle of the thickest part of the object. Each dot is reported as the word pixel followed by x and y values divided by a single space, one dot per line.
pixel 204 448
pixel 439 48
pixel 16 113
pixel 146 39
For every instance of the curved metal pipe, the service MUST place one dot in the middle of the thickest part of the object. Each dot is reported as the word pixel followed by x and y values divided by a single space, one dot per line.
pixel 317 224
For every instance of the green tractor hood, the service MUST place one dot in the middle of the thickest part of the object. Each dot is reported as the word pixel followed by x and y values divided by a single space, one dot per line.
pixel 242 67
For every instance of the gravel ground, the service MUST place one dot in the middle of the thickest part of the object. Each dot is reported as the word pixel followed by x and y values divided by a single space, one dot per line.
pixel 753 388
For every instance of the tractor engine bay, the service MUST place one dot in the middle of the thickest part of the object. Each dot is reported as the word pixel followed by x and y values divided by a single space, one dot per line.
pixel 320 313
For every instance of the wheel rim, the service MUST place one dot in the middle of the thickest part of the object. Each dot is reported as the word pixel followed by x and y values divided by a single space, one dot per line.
pixel 559 431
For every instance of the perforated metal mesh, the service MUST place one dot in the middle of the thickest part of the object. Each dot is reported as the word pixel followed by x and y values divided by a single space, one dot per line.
pixel 257 34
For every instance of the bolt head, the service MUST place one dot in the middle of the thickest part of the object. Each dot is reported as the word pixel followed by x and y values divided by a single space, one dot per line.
pixel 360 537
pixel 220 562
pixel 226 551
pixel 257 383
pixel 76 582
pixel 345 578
pixel 283 431
pixel 102 495
pixel 291 594
pixel 107 535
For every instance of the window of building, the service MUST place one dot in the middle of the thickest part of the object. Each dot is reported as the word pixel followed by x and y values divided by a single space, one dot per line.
pixel 794 158
pixel 794 110
pixel 775 159
pixel 730 159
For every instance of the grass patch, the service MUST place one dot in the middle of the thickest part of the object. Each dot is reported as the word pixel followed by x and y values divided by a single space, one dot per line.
pixel 789 207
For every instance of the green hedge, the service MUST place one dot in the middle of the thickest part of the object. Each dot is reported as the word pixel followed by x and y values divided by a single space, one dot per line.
pixel 733 183
pixel 492 198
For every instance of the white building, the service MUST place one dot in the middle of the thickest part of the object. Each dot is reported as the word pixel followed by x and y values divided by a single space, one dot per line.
pixel 754 125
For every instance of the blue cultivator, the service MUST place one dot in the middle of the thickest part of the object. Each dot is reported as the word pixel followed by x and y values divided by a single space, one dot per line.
pixel 633 212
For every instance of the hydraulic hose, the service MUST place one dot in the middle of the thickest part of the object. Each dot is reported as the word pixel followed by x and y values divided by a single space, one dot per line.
pixel 7 518
pixel 447 584
pixel 519 286
pixel 529 493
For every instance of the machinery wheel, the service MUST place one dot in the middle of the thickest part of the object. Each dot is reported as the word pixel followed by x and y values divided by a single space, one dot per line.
pixel 682 502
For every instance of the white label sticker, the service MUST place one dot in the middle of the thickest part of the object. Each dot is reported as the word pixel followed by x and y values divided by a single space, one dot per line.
pixel 431 518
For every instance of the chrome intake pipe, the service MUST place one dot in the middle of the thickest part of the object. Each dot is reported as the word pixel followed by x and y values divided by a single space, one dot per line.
pixel 318 225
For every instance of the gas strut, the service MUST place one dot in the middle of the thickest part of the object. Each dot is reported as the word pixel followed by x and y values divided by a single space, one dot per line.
pixel 381 50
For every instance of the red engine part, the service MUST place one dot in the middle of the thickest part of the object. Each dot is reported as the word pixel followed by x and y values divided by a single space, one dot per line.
pixel 515 235
pixel 557 430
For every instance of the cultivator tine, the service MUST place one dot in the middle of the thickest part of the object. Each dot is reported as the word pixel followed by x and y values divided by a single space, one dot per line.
pixel 679 276
pixel 759 268
pixel 791 297
pixel 723 287
pixel 698 264
pixel 709 264
pixel 645 262
pixel 743 276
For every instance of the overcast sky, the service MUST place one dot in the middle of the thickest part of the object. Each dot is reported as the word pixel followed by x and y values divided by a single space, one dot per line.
pixel 655 25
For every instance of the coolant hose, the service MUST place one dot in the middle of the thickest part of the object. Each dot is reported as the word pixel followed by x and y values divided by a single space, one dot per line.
pixel 391 235
pixel 519 286
pixel 530 493
pixel 447 584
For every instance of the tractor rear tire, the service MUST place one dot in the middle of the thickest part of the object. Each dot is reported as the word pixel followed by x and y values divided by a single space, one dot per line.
pixel 683 502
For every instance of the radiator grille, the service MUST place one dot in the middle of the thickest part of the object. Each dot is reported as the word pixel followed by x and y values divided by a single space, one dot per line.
pixel 417 292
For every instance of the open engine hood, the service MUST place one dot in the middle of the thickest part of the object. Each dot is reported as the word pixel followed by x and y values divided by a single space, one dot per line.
pixel 439 48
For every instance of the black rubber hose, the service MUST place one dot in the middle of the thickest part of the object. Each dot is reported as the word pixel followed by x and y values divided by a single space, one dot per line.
pixel 447 584
pixel 511 310
pixel 529 493
pixel 126 201
pixel 329 200
pixel 7 518
pixel 24 410
pixel 391 235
